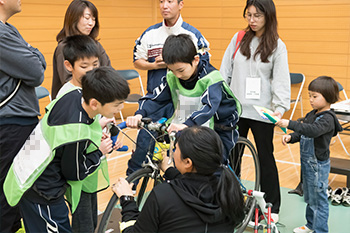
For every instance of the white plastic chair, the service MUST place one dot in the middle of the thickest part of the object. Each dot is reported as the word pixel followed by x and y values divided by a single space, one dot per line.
pixel 297 78
pixel 132 98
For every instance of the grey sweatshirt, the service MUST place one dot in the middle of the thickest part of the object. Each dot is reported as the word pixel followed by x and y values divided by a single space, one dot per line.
pixel 19 61
pixel 275 79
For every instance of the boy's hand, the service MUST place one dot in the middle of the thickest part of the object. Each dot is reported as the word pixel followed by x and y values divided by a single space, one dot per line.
pixel 164 164
pixel 106 145
pixel 133 121
pixel 285 139
pixel 122 187
pixel 118 144
pixel 104 121
pixel 282 123
pixel 176 127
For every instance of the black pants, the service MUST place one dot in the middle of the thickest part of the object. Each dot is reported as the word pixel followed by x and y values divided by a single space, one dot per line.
pixel 84 218
pixel 263 137
pixel 12 138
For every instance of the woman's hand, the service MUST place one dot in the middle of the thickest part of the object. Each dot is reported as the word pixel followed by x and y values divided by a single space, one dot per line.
pixel 122 187
pixel 176 127
pixel 133 121
pixel 277 114
pixel 286 138
pixel 164 165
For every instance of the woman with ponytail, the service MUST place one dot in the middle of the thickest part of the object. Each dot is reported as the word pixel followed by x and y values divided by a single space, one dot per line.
pixel 195 198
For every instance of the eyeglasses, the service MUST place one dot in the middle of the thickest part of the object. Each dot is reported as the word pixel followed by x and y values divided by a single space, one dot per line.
pixel 255 17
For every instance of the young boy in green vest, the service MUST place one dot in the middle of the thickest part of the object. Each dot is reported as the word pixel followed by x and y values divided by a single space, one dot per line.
pixel 73 136
pixel 197 90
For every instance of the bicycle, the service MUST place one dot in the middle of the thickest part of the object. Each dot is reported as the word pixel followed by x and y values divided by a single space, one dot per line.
pixel 151 172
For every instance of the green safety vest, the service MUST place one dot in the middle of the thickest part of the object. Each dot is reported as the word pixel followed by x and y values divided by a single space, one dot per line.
pixel 39 150
pixel 188 101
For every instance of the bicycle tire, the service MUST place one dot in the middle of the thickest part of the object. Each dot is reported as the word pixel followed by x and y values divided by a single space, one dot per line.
pixel 147 173
pixel 243 164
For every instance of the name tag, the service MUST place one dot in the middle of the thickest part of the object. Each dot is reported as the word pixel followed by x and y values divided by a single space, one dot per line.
pixel 252 88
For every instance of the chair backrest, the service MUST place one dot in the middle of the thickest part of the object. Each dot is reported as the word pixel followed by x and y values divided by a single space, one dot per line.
pixel 296 78
pixel 42 92
pixel 132 74
pixel 342 89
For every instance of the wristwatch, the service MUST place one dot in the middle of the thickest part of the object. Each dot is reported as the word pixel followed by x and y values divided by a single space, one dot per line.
pixel 126 198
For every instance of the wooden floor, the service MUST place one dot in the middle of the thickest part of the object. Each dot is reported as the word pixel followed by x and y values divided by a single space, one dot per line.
pixel 287 159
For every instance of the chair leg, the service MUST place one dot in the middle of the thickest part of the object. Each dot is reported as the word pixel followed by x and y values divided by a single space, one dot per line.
pixel 346 151
pixel 121 116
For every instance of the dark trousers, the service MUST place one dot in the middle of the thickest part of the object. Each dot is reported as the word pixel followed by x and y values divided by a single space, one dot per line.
pixel 12 138
pixel 263 137
pixel 45 218
pixel 84 218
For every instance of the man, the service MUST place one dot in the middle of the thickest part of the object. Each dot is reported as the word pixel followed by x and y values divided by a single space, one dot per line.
pixel 147 56
pixel 21 70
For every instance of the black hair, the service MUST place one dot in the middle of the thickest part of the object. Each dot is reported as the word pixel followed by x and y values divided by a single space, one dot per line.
pixel 269 38
pixel 78 47
pixel 327 87
pixel 179 48
pixel 204 147
pixel 104 84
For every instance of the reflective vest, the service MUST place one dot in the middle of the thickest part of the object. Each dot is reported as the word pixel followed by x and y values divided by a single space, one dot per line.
pixel 188 101
pixel 39 150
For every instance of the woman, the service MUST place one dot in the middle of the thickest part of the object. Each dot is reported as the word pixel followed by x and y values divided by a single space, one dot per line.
pixel 194 200
pixel 81 19
pixel 258 74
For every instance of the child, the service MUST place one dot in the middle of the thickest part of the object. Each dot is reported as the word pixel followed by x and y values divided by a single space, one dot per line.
pixel 314 135
pixel 197 91
pixel 72 131
pixel 80 55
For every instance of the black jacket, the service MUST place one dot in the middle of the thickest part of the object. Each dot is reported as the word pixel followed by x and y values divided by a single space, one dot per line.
pixel 322 131
pixel 185 204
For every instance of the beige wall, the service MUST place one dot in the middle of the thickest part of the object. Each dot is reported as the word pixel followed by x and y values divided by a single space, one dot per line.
pixel 316 32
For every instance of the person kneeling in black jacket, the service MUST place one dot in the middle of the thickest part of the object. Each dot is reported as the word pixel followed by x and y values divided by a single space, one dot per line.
pixel 195 198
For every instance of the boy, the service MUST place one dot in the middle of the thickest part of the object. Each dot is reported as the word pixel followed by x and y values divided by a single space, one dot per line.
pixel 197 91
pixel 72 131
pixel 315 134
pixel 80 55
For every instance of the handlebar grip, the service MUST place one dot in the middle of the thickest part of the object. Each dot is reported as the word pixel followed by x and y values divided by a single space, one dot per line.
pixel 122 125
pixel 123 148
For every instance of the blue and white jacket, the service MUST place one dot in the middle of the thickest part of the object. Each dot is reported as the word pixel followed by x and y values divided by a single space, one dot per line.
pixel 217 100
pixel 150 44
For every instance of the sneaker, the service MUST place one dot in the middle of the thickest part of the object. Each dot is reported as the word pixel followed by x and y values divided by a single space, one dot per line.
pixel 133 189
pixel 275 217
pixel 329 192
pixel 303 229
pixel 346 198
pixel 337 196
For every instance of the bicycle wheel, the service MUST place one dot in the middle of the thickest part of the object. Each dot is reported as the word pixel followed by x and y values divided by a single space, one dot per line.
pixel 245 163
pixel 145 177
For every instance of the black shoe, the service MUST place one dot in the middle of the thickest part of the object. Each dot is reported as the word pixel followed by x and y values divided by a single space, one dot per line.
pixel 298 190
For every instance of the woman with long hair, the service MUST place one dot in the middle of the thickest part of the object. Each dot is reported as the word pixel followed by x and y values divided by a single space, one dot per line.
pixel 81 19
pixel 256 68
pixel 195 198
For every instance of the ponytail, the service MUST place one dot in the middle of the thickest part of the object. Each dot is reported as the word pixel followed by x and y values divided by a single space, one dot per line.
pixel 229 196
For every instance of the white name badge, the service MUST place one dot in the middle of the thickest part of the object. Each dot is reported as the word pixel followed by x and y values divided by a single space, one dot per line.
pixel 252 88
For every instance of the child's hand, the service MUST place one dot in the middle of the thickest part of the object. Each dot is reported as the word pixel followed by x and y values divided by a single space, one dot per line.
pixel 133 121
pixel 104 121
pixel 118 144
pixel 106 145
pixel 282 123
pixel 176 127
pixel 285 139
pixel 122 187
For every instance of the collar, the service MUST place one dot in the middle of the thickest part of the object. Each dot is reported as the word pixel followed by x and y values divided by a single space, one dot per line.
pixel 177 25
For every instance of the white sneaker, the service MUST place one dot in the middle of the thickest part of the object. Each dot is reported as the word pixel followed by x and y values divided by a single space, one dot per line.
pixel 275 218
pixel 303 229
